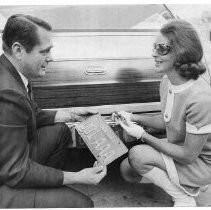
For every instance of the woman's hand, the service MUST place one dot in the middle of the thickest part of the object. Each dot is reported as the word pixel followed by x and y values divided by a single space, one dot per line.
pixel 123 119
pixel 122 115
pixel 132 129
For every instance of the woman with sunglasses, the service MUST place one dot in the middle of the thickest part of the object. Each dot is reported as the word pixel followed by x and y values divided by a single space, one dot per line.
pixel 180 164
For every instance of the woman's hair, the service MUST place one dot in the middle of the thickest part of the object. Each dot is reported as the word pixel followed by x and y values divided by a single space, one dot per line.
pixel 187 47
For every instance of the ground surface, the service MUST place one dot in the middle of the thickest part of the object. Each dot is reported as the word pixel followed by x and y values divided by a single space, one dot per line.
pixel 113 191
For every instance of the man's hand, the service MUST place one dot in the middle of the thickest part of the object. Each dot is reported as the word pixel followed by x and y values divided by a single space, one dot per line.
pixel 73 115
pixel 91 176
pixel 82 113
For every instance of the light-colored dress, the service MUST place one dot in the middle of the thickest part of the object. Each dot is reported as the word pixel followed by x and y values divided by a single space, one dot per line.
pixel 187 109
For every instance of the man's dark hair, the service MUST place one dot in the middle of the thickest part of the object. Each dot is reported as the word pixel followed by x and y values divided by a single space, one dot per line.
pixel 23 29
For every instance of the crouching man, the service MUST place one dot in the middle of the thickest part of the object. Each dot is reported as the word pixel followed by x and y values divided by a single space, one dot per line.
pixel 32 141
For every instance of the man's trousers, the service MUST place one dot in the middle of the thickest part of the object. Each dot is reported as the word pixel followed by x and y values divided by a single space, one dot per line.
pixel 49 150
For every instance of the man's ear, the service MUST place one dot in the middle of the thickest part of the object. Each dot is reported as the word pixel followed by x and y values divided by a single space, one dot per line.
pixel 18 50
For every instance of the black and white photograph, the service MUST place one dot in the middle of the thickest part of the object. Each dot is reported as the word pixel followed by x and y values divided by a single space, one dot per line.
pixel 105 104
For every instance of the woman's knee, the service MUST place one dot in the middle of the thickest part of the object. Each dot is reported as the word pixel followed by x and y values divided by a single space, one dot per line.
pixel 124 170
pixel 141 158
pixel 127 173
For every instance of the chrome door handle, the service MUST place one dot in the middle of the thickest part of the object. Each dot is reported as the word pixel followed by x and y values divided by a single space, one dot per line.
pixel 95 70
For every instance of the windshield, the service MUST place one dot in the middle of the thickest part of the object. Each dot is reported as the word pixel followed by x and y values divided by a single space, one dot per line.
pixel 94 17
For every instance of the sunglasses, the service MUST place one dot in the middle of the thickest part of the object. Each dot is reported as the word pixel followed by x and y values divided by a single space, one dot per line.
pixel 162 49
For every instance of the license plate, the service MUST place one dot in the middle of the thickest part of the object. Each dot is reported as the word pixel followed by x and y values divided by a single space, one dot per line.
pixel 102 141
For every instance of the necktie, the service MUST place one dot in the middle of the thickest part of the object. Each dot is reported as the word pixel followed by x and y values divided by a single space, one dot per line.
pixel 29 86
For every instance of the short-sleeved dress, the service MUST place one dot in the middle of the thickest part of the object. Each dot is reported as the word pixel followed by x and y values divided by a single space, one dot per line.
pixel 187 109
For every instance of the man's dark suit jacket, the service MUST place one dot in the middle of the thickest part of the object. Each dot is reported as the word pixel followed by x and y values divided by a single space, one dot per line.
pixel 19 120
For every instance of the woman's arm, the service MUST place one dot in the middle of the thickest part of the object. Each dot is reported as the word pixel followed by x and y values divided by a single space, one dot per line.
pixel 155 121
pixel 185 153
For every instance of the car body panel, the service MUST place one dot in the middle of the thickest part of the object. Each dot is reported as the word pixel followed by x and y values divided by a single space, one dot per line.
pixel 106 69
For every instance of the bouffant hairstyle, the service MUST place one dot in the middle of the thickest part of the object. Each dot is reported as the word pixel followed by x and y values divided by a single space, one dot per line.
pixel 187 47
pixel 23 29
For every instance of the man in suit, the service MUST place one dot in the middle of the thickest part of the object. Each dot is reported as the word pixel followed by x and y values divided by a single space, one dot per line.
pixel 33 141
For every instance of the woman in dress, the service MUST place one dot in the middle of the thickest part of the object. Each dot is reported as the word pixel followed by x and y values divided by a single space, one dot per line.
pixel 180 164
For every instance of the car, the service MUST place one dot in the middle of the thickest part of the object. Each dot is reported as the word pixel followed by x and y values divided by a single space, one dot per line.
pixel 206 18
pixel 102 58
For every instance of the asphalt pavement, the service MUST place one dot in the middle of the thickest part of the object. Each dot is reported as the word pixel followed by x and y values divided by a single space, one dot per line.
pixel 113 191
